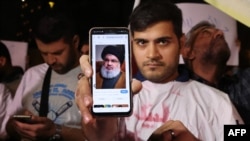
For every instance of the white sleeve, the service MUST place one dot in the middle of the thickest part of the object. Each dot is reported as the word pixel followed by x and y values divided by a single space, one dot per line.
pixel 228 116
pixel 5 101
pixel 17 99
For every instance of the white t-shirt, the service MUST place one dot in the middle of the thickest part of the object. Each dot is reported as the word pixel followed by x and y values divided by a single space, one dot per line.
pixel 5 100
pixel 62 107
pixel 202 109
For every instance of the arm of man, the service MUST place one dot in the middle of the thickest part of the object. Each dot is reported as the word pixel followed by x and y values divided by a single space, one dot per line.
pixel 41 128
pixel 172 131
pixel 101 129
pixel 74 134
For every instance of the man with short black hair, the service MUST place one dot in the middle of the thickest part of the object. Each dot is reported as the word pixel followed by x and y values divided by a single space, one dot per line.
pixel 47 90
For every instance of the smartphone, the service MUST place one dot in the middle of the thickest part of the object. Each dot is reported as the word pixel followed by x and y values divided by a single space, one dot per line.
pixel 23 118
pixel 110 57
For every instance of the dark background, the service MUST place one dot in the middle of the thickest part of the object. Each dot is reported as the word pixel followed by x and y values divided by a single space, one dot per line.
pixel 17 18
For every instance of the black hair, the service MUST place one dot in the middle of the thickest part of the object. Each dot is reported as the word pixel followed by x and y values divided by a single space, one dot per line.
pixel 84 39
pixel 5 52
pixel 153 11
pixel 191 35
pixel 54 25
pixel 116 50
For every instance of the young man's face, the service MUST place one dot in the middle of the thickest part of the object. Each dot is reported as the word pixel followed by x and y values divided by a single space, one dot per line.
pixel 59 55
pixel 156 51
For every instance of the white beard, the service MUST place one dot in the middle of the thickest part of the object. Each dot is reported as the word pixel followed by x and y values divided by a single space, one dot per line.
pixel 110 73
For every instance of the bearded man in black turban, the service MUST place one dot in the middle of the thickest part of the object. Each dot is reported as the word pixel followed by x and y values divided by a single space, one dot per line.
pixel 111 75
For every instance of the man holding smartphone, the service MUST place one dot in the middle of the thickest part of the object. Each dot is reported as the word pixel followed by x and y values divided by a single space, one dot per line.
pixel 110 74
pixel 47 90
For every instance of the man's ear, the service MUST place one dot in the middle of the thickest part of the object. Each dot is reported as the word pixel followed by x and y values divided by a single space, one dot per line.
pixel 187 53
pixel 186 50
pixel 2 61
pixel 76 41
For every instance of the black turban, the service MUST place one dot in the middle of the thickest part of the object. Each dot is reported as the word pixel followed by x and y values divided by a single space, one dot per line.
pixel 116 50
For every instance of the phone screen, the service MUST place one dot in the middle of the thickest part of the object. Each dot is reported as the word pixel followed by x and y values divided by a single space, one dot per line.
pixel 110 59
pixel 23 118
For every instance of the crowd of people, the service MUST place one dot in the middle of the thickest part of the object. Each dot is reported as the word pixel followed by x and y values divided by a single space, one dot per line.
pixel 170 101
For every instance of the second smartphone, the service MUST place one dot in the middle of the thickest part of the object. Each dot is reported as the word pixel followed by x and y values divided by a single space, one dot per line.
pixel 111 61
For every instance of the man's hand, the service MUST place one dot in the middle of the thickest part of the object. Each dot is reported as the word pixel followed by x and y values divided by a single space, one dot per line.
pixel 173 131
pixel 101 129
pixel 36 129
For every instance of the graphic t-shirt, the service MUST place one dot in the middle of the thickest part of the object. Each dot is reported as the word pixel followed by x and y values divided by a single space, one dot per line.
pixel 62 106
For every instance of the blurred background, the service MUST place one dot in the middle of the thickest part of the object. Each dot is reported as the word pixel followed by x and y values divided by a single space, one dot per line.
pixel 17 18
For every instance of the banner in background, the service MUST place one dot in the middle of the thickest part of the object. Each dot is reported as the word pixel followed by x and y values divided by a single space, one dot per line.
pixel 238 9
pixel 18 52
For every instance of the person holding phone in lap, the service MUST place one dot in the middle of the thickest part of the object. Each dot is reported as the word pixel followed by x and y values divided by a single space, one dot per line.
pixel 47 90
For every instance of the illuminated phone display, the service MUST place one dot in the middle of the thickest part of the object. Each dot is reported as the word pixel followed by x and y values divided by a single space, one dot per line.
pixel 110 59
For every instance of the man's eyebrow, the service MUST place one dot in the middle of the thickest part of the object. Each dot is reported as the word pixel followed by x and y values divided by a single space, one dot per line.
pixel 139 39
pixel 164 38
pixel 160 38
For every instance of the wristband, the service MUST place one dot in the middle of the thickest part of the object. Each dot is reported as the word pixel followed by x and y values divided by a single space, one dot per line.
pixel 58 135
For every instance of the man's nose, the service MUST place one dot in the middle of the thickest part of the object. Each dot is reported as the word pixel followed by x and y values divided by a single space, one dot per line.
pixel 218 33
pixel 153 51
pixel 51 59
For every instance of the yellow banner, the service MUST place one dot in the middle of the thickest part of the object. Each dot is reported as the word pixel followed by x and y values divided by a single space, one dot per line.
pixel 238 9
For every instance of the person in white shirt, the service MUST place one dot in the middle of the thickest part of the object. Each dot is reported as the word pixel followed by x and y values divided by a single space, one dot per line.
pixel 10 75
pixel 5 100
pixel 56 116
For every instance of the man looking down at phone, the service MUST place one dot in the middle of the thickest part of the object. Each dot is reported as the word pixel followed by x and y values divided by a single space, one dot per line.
pixel 167 94
pixel 47 90
pixel 111 75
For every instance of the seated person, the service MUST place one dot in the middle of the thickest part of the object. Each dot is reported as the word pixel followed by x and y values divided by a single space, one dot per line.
pixel 5 100
pixel 10 75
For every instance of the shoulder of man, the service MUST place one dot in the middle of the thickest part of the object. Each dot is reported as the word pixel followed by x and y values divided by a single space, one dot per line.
pixel 40 67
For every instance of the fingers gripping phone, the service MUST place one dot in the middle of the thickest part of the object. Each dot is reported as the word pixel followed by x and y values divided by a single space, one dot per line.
pixel 23 118
pixel 111 80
